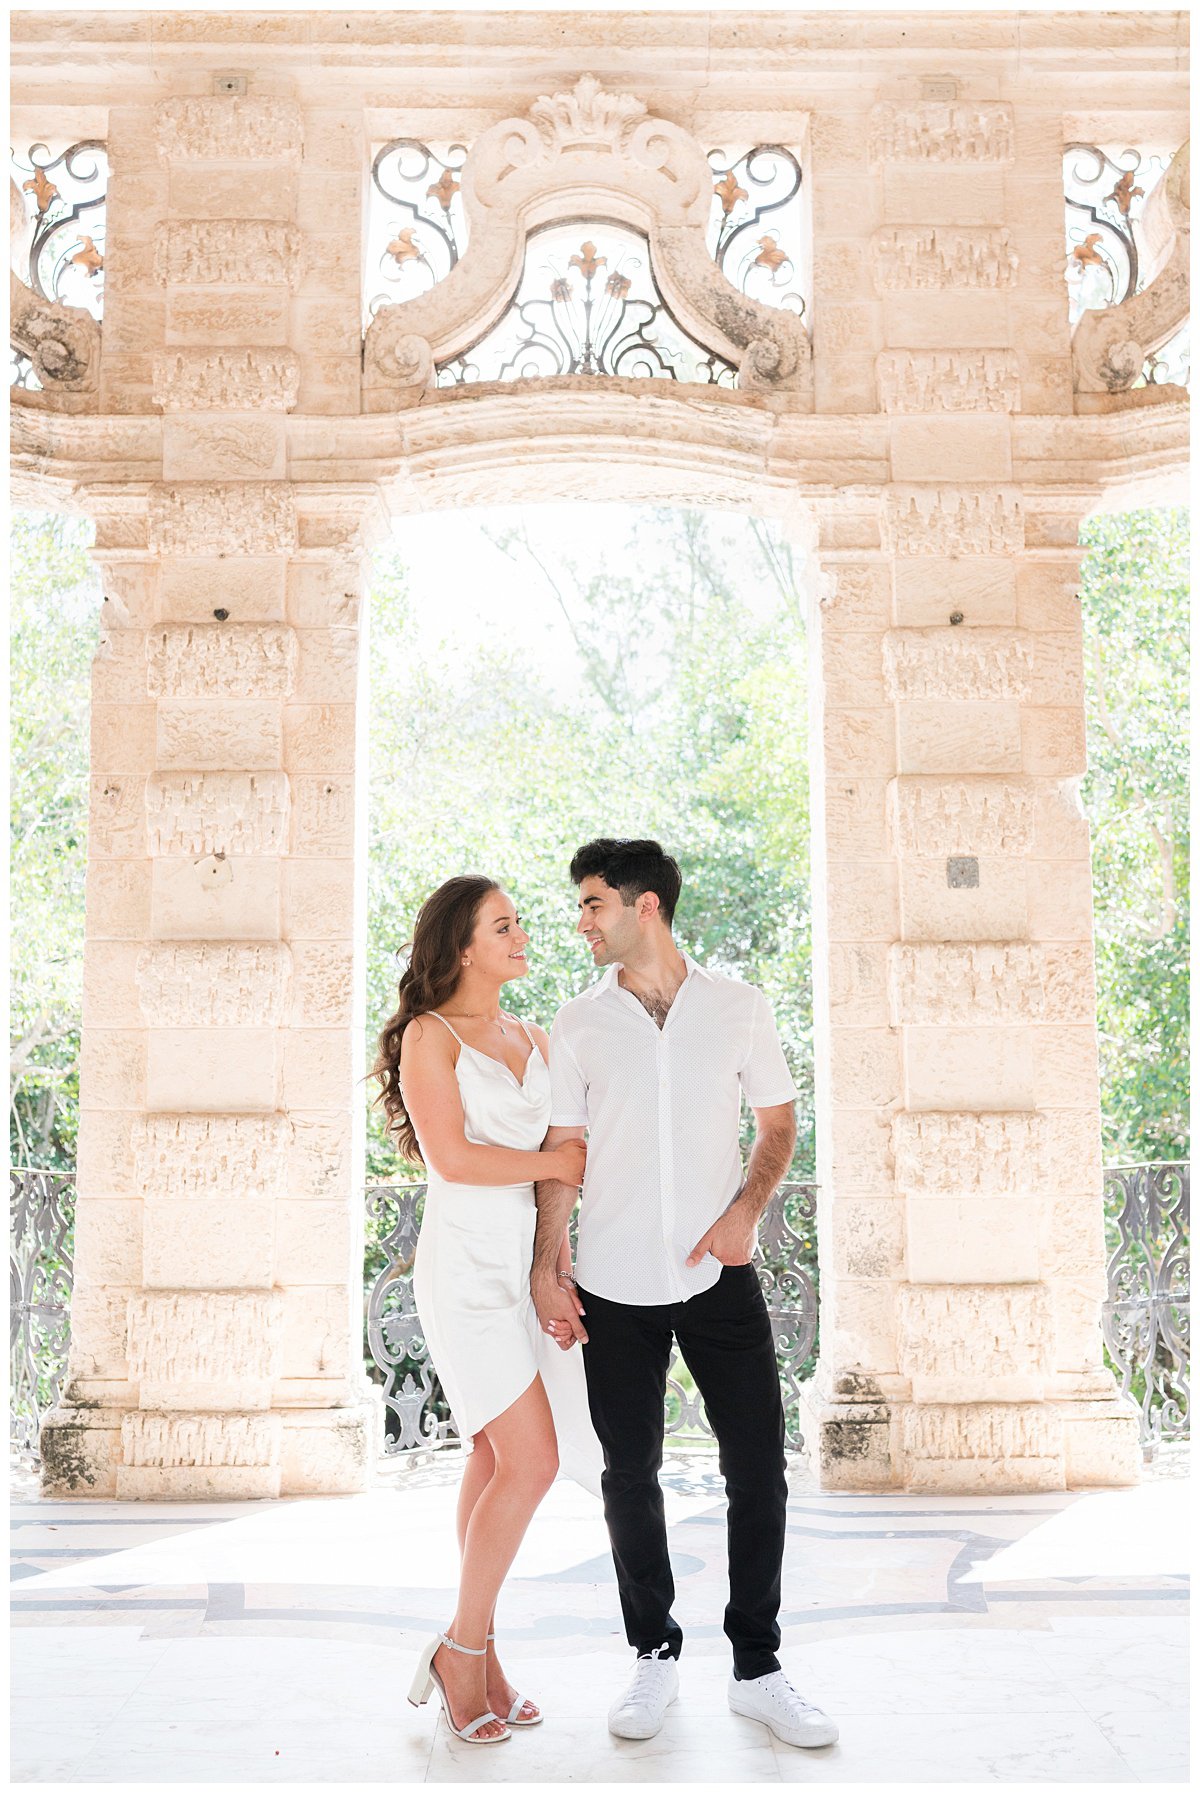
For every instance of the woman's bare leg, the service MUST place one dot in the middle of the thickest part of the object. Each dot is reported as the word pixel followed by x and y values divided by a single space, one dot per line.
pixel 497 1515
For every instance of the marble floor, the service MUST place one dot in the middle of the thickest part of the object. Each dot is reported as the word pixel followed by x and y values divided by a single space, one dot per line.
pixel 1027 1639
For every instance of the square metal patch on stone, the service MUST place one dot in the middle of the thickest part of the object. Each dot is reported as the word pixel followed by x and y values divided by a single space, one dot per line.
pixel 962 874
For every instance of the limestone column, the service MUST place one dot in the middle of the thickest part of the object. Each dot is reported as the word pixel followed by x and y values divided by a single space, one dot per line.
pixel 962 1233
pixel 218 1309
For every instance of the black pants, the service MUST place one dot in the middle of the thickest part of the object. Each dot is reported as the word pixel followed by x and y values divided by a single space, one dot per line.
pixel 724 1337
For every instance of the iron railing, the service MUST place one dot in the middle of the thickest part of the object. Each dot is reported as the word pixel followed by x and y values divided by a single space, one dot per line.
pixel 1145 1318
pixel 398 1357
pixel 40 1272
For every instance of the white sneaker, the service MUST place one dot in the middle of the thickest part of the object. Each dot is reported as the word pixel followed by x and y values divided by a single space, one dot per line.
pixel 774 1702
pixel 642 1707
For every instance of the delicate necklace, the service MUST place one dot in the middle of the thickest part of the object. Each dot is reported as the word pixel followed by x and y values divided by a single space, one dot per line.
pixel 464 1015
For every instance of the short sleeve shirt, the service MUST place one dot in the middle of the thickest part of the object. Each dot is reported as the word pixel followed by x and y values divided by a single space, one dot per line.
pixel 662 1106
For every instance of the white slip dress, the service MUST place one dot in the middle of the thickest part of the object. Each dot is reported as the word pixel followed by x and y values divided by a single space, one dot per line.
pixel 471 1276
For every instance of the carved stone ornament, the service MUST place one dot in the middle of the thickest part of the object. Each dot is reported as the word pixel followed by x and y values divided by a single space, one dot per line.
pixel 228 130
pixel 935 817
pixel 211 1156
pixel 226 380
pixel 967 1154
pixel 243 813
pixel 207 1440
pixel 242 517
pixel 952 520
pixel 948 380
pixel 63 342
pixel 960 665
pixel 574 153
pixel 935 257
pixel 1109 347
pixel 213 983
pixel 221 660
pixel 990 983
pixel 229 252
pixel 973 132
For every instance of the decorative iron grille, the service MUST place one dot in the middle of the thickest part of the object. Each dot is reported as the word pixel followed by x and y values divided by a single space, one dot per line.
pixel 40 1255
pixel 417 1412
pixel 418 224
pixel 587 304
pixel 1106 191
pixel 65 196
pixel 756 224
pixel 21 374
pixel 1146 1319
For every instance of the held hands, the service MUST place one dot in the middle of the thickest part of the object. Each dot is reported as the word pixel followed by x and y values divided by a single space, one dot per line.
pixel 731 1239
pixel 567 1162
pixel 558 1310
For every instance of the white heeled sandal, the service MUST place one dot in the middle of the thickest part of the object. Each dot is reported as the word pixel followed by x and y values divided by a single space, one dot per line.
pixel 520 1701
pixel 427 1678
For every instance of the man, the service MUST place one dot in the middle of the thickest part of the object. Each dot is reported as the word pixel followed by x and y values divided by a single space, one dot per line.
pixel 653 1060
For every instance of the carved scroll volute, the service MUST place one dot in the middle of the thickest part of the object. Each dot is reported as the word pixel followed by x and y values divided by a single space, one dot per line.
pixel 586 151
pixel 1109 347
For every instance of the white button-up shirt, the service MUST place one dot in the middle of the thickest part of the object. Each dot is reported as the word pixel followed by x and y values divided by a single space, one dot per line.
pixel 662 1106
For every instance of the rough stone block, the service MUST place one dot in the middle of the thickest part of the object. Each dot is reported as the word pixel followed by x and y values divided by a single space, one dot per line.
pixel 951 448
pixel 860 742
pixel 1048 595
pixel 322 816
pixel 216 898
pixel 117 900
pixel 209 1245
pixel 1054 742
pixel 994 910
pixel 210 1157
pixel 253 447
pixel 332 1452
pixel 981 1068
pixel 327 672
pixel 1102 1450
pixel 318 899
pixel 991 981
pixel 319 1156
pixel 319 737
pixel 322 1331
pixel 858 995
pixel 112 1067
pixel 867 1239
pixel 985 1239
pixel 1067 1068
pixel 942 1155
pixel 227 319
pixel 108 1242
pixel 109 989
pixel 119 667
pixel 122 737
pixel 952 520
pixel 323 993
pixel 1060 899
pixel 859 1152
pixel 213 1070
pixel 930 591
pixel 317 1065
pixel 958 664
pixel 238 814
pixel 99 1331
pixel 211 737
pixel 207 518
pixel 864 1067
pixel 117 816
pixel 856 818
pixel 248 590
pixel 945 381
pixel 313 1240
pixel 199 1349
pixel 204 983
pixel 104 1155
pixel 852 670
pixel 976 1342
pixel 855 596
pixel 940 736
pixel 325 593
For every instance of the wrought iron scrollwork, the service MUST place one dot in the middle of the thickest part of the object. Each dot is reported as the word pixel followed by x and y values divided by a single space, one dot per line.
pixel 419 227
pixel 22 375
pixel 587 304
pixel 40 1275
pixel 65 197
pixel 1146 1318
pixel 755 223
pixel 418 1417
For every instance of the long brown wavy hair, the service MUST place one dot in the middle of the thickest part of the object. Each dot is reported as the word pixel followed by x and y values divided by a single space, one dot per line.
pixel 445 923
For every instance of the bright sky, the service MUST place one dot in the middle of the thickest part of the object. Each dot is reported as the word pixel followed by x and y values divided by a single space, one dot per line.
pixel 454 570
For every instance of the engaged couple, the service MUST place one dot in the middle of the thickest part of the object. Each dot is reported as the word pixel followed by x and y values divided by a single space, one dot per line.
pixel 650 1063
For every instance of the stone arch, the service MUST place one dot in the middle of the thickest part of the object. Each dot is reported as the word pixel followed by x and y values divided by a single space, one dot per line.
pixel 593 153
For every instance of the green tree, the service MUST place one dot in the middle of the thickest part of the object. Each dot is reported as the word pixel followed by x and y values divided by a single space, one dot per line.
pixel 1135 620
pixel 54 619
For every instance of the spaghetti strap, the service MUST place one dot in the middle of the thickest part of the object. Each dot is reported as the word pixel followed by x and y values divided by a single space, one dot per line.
pixel 446 1024
pixel 526 1032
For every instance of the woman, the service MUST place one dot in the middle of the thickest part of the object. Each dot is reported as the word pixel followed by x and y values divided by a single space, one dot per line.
pixel 466 1090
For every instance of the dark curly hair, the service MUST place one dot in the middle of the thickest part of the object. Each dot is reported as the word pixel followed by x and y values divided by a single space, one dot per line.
pixel 445 924
pixel 631 867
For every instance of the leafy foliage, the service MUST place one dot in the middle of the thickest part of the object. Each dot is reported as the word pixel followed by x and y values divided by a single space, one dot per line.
pixel 1135 620
pixel 54 620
